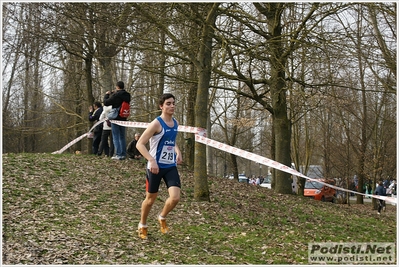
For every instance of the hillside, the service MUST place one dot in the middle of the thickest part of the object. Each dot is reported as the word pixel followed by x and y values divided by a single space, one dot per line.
pixel 81 209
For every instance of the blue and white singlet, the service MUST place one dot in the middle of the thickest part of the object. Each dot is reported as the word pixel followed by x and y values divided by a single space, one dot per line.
pixel 162 145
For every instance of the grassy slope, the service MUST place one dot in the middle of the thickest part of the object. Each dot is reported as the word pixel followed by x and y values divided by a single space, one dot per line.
pixel 79 209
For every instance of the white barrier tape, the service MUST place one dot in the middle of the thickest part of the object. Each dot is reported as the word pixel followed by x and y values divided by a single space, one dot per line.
pixel 182 128
pixel 275 164
pixel 70 144
pixel 134 124
pixel 200 136
pixel 77 139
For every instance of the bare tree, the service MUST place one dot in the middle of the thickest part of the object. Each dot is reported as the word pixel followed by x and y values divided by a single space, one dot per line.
pixel 324 72
pixel 29 51
pixel 270 92
pixel 201 59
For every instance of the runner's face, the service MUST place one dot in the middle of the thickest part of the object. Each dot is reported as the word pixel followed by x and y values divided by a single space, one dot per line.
pixel 169 106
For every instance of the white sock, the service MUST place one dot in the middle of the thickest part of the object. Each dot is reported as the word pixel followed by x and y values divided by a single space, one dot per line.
pixel 142 225
pixel 161 218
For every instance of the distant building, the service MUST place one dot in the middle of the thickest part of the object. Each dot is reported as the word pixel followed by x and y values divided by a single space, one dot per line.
pixel 314 171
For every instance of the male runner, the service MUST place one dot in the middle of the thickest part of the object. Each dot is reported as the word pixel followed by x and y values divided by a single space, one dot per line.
pixel 162 158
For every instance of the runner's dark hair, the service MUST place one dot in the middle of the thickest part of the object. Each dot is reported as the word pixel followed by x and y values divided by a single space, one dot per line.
pixel 165 96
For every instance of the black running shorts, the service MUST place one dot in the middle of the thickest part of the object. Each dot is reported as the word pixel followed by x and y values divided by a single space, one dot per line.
pixel 169 175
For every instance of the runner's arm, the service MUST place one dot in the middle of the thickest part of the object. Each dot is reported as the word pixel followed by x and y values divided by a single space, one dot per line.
pixel 179 158
pixel 153 128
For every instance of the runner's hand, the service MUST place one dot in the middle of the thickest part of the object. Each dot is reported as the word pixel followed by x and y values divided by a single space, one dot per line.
pixel 153 166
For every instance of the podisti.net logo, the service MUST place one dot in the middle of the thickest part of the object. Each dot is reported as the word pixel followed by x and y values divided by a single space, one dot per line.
pixel 353 252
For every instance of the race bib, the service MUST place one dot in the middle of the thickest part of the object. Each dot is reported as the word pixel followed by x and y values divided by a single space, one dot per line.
pixel 167 155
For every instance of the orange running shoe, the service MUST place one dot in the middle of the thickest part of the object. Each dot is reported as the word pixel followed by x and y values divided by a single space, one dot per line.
pixel 142 231
pixel 164 227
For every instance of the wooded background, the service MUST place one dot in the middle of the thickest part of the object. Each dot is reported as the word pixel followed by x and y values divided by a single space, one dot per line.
pixel 303 83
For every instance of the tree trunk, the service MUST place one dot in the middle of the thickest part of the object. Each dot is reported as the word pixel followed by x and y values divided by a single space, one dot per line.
pixel 107 80
pixel 364 120
pixel 189 137
pixel 209 150
pixel 201 190
pixel 281 123
pixel 90 98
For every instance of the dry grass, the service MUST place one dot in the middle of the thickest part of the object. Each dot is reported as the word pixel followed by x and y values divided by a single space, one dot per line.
pixel 80 209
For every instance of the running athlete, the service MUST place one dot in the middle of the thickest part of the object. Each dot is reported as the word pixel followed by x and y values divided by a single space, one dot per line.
pixel 162 158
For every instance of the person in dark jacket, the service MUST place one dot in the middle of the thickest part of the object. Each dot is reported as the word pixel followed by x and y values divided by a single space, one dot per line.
pixel 118 132
pixel 381 191
pixel 132 151
pixel 94 115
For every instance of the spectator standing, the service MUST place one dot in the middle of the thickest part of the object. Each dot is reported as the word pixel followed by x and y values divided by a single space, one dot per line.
pixel 94 115
pixel 106 146
pixel 118 131
pixel 370 187
pixel 386 183
pixel 163 157
pixel 392 187
pixel 132 150
pixel 356 181
pixel 381 191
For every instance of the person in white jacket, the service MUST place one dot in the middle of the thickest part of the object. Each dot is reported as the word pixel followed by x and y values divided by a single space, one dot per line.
pixel 392 188
pixel 105 146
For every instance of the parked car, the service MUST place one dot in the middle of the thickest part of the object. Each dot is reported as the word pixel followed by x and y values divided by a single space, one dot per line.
pixel 267 182
pixel 242 178
pixel 319 191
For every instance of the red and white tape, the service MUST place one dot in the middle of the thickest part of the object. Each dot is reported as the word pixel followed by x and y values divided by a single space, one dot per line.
pixel 200 136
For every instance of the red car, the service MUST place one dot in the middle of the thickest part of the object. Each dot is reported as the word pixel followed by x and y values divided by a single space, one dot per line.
pixel 319 191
